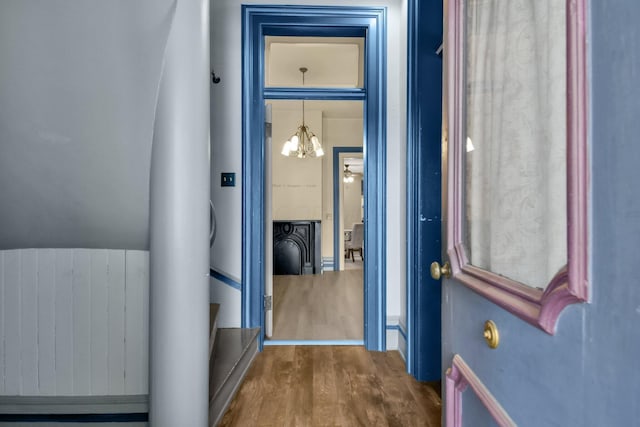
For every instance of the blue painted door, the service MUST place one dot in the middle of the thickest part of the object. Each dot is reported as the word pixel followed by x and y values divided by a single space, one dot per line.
pixel 585 374
pixel 423 187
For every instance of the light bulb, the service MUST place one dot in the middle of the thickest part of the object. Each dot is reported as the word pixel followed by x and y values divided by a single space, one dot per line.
pixel 286 148
pixel 295 142
pixel 317 148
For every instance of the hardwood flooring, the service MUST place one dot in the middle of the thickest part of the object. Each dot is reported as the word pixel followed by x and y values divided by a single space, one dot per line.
pixel 332 386
pixel 327 306
pixel 358 264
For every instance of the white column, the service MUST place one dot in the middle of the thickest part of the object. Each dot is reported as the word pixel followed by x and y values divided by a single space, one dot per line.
pixel 179 218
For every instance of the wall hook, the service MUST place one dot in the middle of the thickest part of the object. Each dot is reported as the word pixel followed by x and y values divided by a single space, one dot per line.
pixel 214 79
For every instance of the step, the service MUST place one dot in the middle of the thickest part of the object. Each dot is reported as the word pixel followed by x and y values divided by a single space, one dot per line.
pixel 213 326
pixel 234 350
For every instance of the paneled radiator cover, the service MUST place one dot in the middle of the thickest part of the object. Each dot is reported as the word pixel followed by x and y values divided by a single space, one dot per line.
pixel 73 322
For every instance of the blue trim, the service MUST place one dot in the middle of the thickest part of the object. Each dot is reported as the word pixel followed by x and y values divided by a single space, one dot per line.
pixel 225 279
pixel 314 31
pixel 314 342
pixel 76 418
pixel 413 140
pixel 327 264
pixel 400 329
pixel 424 186
pixel 375 185
pixel 315 93
pixel 258 21
pixel 336 200
pixel 250 225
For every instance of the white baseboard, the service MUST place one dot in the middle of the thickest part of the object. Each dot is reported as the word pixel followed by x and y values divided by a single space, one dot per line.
pixel 397 336
pixel 328 264
pixel 138 403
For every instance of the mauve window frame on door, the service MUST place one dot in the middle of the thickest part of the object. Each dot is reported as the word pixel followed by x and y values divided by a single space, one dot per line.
pixel 538 307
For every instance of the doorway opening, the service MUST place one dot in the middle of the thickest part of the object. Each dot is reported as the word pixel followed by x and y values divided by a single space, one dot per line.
pixel 351 218
pixel 315 299
pixel 291 21
pixel 347 161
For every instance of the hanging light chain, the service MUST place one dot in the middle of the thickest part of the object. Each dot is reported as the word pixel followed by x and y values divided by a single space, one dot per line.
pixel 303 70
pixel 303 142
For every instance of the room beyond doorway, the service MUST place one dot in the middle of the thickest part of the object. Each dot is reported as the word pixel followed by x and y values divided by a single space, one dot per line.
pixel 313 298
pixel 319 307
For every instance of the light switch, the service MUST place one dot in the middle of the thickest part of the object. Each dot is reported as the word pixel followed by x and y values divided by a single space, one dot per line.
pixel 228 179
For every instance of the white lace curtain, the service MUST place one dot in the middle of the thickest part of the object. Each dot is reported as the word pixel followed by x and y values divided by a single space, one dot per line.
pixel 516 123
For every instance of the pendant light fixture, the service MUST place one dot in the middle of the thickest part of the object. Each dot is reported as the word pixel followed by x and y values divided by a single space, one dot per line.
pixel 303 143
pixel 348 175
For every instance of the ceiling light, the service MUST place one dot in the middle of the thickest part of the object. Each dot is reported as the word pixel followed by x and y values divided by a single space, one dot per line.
pixel 348 175
pixel 303 143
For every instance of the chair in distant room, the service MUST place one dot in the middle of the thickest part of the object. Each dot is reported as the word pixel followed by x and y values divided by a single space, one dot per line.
pixel 357 241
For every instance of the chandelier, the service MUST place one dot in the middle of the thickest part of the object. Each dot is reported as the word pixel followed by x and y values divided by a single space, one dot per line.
pixel 348 175
pixel 303 143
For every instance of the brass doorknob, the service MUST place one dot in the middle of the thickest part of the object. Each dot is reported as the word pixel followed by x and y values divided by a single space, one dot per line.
pixel 491 334
pixel 438 271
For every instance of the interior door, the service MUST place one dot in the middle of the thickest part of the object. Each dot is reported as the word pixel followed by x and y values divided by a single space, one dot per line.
pixel 268 223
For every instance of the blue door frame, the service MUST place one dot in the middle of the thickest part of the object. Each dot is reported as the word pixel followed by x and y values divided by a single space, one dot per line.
pixel 336 201
pixel 258 22
pixel 424 198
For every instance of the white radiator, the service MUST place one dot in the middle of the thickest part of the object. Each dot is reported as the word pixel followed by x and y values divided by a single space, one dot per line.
pixel 74 322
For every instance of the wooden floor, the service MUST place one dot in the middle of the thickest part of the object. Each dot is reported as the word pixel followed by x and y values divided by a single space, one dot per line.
pixel 332 386
pixel 326 306
pixel 356 264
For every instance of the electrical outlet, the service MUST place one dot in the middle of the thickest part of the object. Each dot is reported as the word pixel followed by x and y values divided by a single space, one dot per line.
pixel 228 179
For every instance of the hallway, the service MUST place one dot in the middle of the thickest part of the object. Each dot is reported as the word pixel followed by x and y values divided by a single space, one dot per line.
pixel 332 386
pixel 326 306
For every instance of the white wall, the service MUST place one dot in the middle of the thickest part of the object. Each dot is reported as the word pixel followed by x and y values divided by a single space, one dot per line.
pixel 342 132
pixel 400 177
pixel 74 322
pixel 78 92
pixel 226 137
pixel 352 202
pixel 229 316
pixel 297 183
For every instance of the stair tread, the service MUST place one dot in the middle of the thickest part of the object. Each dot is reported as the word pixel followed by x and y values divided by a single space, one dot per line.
pixel 213 315
pixel 231 345
pixel 213 326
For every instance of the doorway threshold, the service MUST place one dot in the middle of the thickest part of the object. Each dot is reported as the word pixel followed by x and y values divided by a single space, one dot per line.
pixel 268 342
